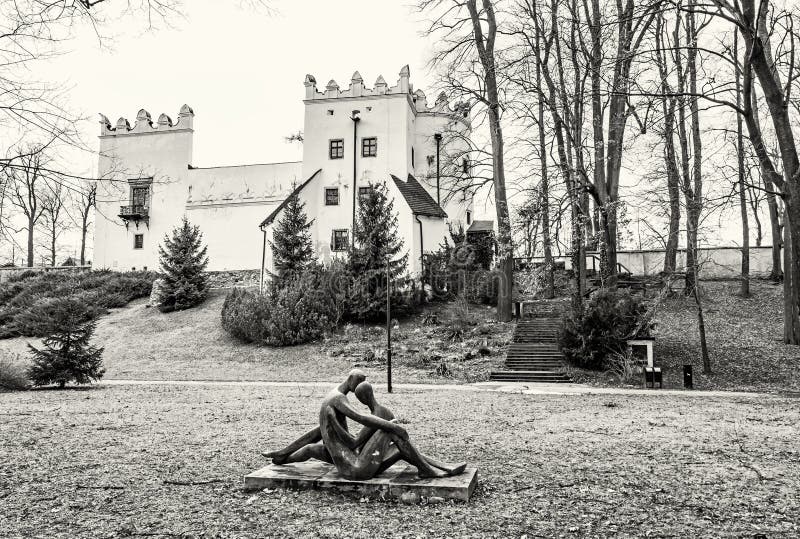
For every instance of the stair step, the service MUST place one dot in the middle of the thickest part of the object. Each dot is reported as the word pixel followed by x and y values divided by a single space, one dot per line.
pixel 534 355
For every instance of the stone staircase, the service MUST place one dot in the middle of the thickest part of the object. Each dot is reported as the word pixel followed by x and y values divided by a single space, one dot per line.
pixel 534 354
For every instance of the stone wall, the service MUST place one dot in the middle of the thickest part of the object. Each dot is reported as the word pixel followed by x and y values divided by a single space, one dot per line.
pixel 715 262
pixel 234 278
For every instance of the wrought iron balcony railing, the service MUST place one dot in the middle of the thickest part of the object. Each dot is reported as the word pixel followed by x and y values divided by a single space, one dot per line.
pixel 135 213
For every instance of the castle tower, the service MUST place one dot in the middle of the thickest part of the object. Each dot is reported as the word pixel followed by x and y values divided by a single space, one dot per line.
pixel 145 168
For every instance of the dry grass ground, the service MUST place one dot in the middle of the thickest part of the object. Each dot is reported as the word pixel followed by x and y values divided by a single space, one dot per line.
pixel 159 461
pixel 142 343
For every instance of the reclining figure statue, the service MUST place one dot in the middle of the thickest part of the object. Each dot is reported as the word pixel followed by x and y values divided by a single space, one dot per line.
pixel 381 442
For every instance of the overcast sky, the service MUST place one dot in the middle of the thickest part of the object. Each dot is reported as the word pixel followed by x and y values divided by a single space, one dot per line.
pixel 241 70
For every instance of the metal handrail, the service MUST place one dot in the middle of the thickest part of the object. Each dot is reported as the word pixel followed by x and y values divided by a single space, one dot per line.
pixel 133 209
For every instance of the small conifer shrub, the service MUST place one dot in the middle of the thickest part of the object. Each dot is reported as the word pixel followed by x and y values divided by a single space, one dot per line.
pixel 292 250
pixel 183 262
pixel 66 355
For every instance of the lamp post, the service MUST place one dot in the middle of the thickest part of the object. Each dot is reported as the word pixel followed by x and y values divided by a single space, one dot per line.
pixel 438 138
pixel 388 330
pixel 355 119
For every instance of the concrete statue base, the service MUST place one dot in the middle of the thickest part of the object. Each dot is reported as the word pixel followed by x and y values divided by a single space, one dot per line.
pixel 400 479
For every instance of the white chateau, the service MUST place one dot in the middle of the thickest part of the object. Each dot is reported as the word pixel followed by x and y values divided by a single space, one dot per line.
pixel 352 138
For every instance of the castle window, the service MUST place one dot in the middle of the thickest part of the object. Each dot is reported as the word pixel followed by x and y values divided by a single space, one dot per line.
pixel 139 196
pixel 465 165
pixel 138 241
pixel 330 112
pixel 412 157
pixel 363 192
pixel 369 147
pixel 469 217
pixel 339 240
pixel 431 160
pixel 336 149
pixel 331 196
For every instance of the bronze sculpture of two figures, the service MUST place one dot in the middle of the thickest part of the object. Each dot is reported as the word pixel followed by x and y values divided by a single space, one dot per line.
pixel 381 442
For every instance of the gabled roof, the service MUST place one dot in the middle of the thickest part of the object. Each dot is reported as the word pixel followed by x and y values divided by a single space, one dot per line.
pixel 418 199
pixel 271 217
pixel 481 226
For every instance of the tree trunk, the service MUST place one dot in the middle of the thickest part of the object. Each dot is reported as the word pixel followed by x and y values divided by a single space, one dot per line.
pixel 545 190
pixel 670 158
pixel 31 224
pixel 485 47
pixel 745 286
pixel 701 326
pixel 84 230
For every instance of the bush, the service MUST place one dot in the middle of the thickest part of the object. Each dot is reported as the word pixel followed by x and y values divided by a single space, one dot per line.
pixel 67 354
pixel 12 376
pixel 25 296
pixel 298 311
pixel 594 337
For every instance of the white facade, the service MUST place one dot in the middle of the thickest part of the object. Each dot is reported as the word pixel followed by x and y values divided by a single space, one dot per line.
pixel 154 184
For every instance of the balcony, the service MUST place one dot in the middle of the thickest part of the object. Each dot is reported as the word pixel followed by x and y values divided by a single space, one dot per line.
pixel 134 214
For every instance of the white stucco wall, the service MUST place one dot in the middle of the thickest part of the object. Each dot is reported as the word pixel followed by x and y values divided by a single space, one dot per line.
pixel 228 204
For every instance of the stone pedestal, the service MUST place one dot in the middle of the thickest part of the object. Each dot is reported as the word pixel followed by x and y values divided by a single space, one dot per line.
pixel 393 483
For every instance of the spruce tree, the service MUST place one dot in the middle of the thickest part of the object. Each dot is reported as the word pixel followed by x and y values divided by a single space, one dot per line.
pixel 292 250
pixel 67 355
pixel 375 242
pixel 183 261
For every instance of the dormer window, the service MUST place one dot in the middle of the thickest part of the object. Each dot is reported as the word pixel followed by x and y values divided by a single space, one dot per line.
pixel 369 147
pixel 336 149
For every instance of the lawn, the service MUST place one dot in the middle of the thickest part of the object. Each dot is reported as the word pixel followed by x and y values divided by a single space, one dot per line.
pixel 145 344
pixel 168 461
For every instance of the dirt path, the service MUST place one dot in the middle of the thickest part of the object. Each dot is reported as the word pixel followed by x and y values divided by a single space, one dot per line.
pixel 517 388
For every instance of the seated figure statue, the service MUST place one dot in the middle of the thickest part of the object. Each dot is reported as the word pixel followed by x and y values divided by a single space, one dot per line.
pixel 380 444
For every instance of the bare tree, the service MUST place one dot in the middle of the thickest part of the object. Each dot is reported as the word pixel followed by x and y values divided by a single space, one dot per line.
pixel 468 33
pixel 86 202
pixel 54 203
pixel 26 190
pixel 750 20
pixel 624 30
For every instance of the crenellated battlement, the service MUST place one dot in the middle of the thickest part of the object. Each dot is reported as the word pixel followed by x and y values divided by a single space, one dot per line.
pixel 356 89
pixel 144 123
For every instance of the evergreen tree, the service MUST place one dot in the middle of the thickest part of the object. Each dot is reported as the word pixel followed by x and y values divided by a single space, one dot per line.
pixel 375 241
pixel 183 261
pixel 67 355
pixel 292 251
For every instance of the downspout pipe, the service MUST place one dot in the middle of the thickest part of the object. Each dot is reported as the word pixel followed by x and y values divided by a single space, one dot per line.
pixel 355 119
pixel 421 250
pixel 438 138
pixel 263 261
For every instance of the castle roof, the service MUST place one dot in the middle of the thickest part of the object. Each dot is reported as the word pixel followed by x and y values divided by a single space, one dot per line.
pixel 418 199
pixel 271 217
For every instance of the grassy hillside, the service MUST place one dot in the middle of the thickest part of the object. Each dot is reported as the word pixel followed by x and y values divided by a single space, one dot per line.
pixel 142 343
